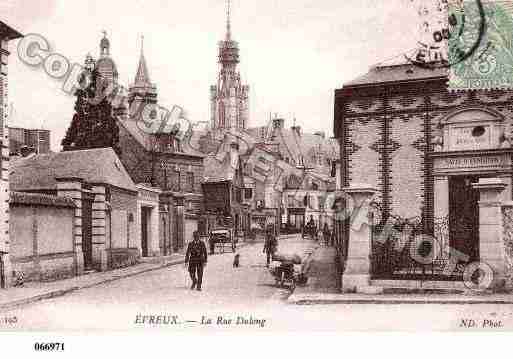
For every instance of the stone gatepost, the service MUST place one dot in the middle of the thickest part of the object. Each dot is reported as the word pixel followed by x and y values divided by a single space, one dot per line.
pixel 180 222
pixel 99 228
pixel 356 276
pixel 72 188
pixel 491 229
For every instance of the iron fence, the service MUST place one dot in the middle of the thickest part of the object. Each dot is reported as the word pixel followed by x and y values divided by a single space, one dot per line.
pixel 410 248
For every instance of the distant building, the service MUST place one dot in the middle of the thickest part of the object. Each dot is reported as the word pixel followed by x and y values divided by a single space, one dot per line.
pixel 167 173
pixel 223 188
pixel 7 34
pixel 23 141
pixel 229 98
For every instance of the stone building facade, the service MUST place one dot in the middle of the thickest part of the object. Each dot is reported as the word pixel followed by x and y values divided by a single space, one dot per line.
pixel 7 34
pixel 106 217
pixel 424 148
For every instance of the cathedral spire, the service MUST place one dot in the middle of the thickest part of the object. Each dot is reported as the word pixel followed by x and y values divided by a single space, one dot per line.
pixel 142 76
pixel 228 22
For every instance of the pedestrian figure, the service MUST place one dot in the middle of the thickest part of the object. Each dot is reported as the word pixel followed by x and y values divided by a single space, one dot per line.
pixel 270 244
pixel 196 259
pixel 312 228
pixel 326 234
pixel 236 261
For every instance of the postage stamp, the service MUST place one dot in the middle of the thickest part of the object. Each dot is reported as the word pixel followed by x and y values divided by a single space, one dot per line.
pixel 490 64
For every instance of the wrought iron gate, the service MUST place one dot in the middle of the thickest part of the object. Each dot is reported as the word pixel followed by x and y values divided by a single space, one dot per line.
pixel 410 250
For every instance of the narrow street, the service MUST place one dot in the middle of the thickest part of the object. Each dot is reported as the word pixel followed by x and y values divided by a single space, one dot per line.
pixel 247 288
pixel 229 293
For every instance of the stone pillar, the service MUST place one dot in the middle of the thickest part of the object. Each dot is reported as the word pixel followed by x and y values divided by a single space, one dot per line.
pixel 356 276
pixel 491 228
pixel 154 245
pixel 180 223
pixel 72 188
pixel 99 228
pixel 441 209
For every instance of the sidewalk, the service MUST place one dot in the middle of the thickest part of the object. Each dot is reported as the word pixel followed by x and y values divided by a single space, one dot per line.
pixel 36 291
pixel 321 289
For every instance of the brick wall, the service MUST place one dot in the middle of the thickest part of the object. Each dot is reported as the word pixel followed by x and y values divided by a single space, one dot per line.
pixel 407 161
pixel 364 158
pixel 138 163
pixel 387 134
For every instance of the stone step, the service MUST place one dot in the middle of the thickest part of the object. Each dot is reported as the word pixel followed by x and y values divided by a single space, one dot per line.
pixel 417 285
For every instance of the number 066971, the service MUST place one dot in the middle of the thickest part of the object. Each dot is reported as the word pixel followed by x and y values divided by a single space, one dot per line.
pixel 48 347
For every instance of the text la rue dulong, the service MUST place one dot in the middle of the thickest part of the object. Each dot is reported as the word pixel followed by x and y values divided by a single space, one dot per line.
pixel 219 320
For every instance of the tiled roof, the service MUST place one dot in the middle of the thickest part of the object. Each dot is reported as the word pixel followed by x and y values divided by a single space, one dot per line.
pixel 96 166
pixel 404 72
pixel 216 171
pixel 295 146
pixel 146 141
pixel 40 200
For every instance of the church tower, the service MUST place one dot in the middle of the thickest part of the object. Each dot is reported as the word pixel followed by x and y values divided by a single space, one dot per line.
pixel 105 65
pixel 142 91
pixel 229 98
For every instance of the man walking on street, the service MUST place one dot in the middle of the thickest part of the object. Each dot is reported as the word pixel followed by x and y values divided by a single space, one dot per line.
pixel 326 234
pixel 196 259
pixel 270 244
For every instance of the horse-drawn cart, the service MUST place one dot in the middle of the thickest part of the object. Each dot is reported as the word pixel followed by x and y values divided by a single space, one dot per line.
pixel 222 238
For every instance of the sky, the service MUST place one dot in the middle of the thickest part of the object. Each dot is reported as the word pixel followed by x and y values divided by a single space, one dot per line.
pixel 294 53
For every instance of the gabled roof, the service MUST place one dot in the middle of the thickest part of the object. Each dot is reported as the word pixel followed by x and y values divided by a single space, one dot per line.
pixel 296 146
pixel 216 171
pixel 95 166
pixel 147 140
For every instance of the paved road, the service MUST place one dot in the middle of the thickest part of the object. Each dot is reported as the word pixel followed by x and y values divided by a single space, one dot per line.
pixel 247 292
pixel 166 291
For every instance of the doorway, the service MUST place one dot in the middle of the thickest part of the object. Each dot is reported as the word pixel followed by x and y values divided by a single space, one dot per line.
pixel 87 231
pixel 145 230
pixel 2 277
pixel 464 216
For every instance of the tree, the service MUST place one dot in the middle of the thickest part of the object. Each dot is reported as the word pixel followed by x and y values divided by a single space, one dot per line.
pixel 93 124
